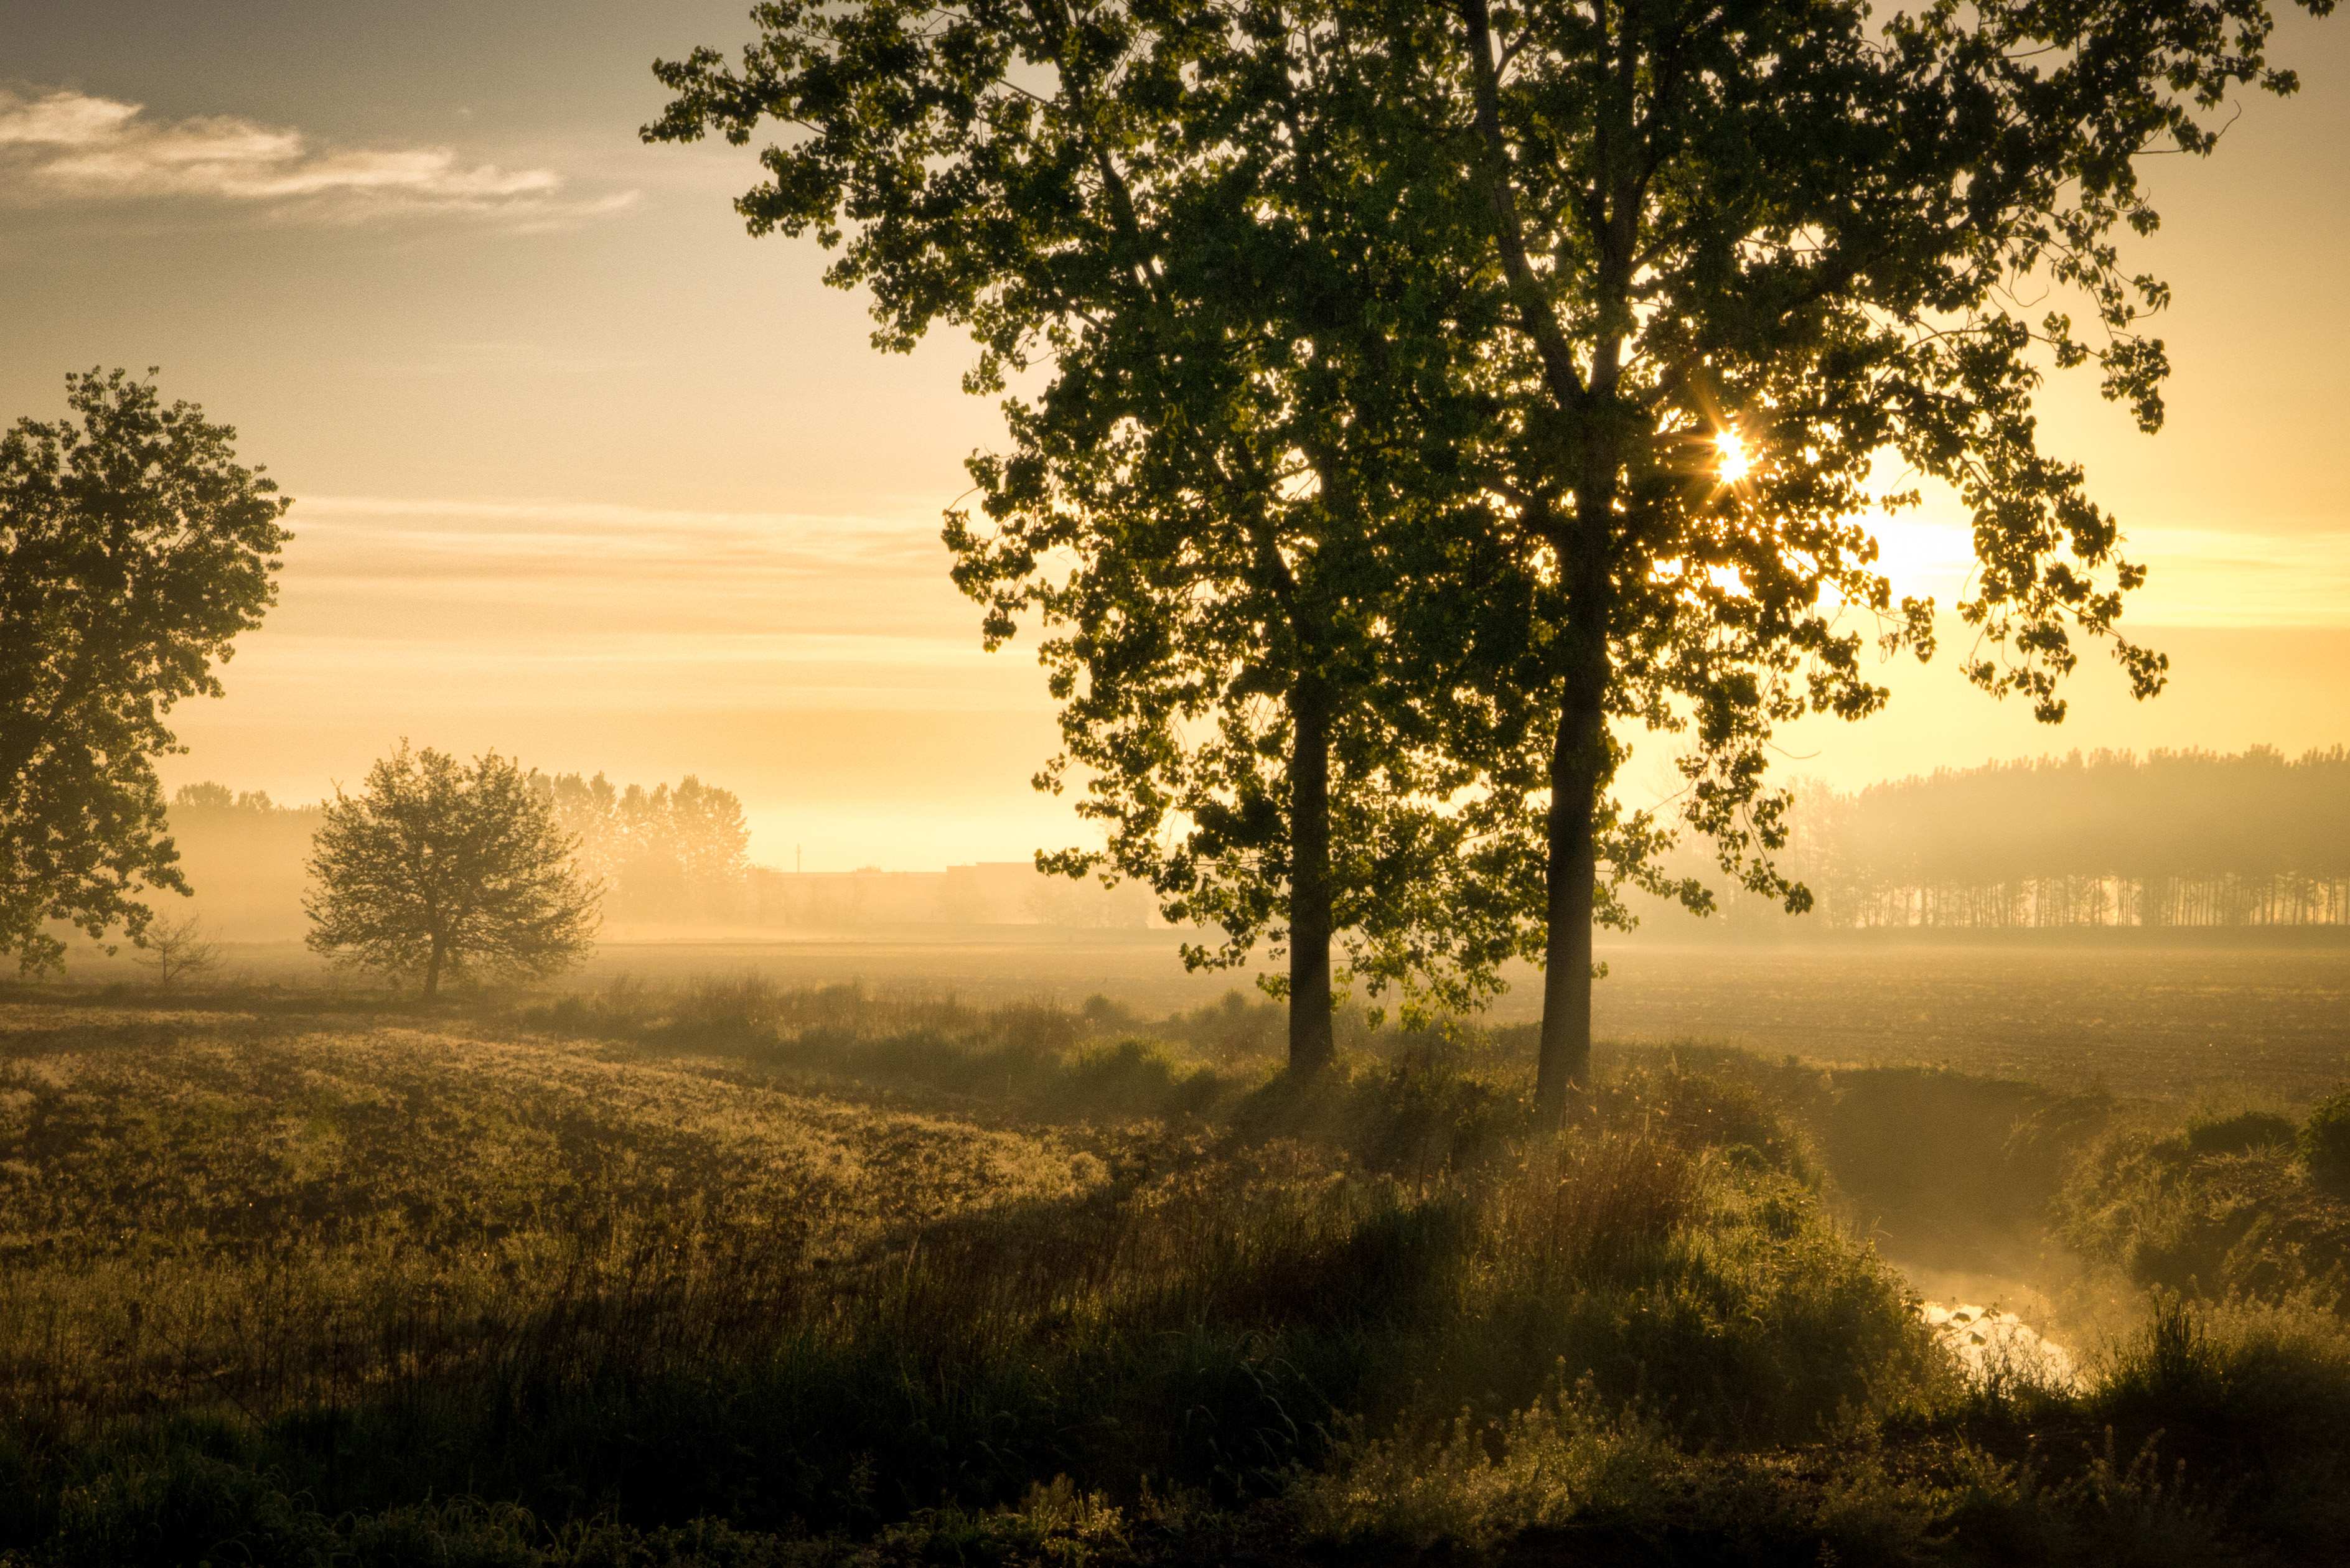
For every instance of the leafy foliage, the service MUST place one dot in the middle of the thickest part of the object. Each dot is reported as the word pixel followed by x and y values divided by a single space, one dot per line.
pixel 1312 280
pixel 445 869
pixel 1216 508
pixel 133 549
pixel 1767 226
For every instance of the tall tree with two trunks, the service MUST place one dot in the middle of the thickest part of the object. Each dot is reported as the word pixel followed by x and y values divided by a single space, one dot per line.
pixel 1733 258
pixel 437 870
pixel 134 549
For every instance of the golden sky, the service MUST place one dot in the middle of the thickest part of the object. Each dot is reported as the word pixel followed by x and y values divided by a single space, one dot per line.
pixel 586 475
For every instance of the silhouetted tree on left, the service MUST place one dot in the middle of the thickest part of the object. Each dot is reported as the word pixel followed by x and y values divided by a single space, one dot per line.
pixel 442 869
pixel 133 549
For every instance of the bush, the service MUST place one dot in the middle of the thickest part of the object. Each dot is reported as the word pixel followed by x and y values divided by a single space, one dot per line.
pixel 2217 1208
pixel 2238 1132
pixel 2325 1140
pixel 2260 1392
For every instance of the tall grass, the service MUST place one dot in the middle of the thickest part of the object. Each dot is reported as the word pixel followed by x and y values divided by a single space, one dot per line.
pixel 732 1273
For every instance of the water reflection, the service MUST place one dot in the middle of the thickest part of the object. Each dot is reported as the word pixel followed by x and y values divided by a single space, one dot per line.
pixel 1998 1345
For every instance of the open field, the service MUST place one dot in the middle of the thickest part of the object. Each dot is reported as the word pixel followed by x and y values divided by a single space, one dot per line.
pixel 729 1272
pixel 2142 1020
pixel 2145 1018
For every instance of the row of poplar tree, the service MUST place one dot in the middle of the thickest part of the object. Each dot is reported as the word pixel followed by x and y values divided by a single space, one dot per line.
pixel 660 854
pixel 2180 838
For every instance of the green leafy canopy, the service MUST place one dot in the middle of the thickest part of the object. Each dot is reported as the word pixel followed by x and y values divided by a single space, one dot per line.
pixel 1389 354
pixel 437 869
pixel 133 550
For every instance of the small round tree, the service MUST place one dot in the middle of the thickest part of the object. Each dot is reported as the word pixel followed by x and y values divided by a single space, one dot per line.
pixel 442 868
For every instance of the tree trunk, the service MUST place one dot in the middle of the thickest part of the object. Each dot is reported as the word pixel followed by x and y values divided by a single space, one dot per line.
pixel 1579 755
pixel 1312 1043
pixel 1578 770
pixel 433 971
pixel 1577 758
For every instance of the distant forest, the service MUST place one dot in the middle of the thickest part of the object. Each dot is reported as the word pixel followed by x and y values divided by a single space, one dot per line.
pixel 673 855
pixel 2180 839
pixel 2188 839
pixel 662 853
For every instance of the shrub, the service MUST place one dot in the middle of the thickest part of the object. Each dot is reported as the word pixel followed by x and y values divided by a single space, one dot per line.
pixel 2325 1140
pixel 2238 1132
pixel 2256 1391
pixel 1564 1456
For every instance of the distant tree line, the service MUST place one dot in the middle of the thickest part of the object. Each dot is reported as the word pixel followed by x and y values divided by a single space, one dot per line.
pixel 216 804
pixel 2186 838
pixel 243 854
pixel 662 853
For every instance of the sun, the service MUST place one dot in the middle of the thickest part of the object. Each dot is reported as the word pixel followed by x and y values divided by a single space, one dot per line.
pixel 1730 461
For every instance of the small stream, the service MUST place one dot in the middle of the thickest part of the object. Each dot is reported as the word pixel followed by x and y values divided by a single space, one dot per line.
pixel 1990 1344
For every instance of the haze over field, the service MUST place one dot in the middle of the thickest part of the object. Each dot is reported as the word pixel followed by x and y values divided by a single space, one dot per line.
pixel 594 1053
pixel 586 475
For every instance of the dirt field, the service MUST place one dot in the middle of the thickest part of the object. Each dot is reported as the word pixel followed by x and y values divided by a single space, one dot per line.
pixel 2169 1021
pixel 2156 1021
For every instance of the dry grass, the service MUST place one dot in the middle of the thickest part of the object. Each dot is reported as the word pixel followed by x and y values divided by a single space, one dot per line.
pixel 731 1274
pixel 222 1206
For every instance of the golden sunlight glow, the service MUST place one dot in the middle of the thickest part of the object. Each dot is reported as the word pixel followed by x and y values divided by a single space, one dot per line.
pixel 1731 460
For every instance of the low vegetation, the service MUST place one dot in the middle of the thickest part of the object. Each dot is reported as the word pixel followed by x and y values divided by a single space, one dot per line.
pixel 2238 1203
pixel 725 1273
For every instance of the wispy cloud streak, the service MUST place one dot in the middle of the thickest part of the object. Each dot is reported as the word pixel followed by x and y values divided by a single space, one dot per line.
pixel 588 605
pixel 67 146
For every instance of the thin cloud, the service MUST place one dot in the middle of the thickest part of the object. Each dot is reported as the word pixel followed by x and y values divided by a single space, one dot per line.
pixel 67 146
pixel 303 671
pixel 580 538
pixel 2203 576
pixel 585 577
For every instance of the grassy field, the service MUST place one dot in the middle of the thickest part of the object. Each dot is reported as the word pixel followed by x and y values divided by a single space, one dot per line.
pixel 729 1272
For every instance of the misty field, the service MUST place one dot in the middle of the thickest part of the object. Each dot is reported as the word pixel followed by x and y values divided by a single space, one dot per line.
pixel 2145 1018
pixel 2152 1019
pixel 730 1272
